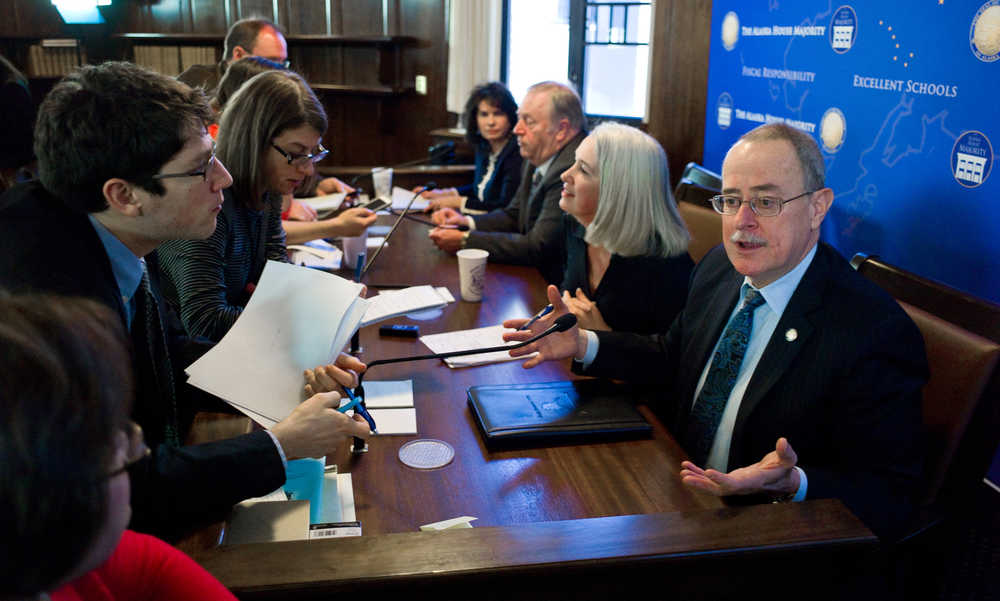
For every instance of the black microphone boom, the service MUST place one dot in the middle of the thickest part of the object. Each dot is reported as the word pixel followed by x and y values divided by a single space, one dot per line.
pixel 561 324
pixel 425 187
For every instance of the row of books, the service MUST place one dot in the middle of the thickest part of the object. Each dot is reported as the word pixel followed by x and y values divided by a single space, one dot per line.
pixel 55 61
pixel 171 60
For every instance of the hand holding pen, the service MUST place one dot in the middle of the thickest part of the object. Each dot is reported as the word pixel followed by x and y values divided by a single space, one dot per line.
pixel 545 311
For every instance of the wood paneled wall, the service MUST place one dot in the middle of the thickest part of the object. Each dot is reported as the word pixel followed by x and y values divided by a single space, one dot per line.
pixel 373 129
pixel 365 129
pixel 679 80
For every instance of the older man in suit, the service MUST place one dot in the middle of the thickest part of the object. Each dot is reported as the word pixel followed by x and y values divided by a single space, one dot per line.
pixel 780 343
pixel 528 231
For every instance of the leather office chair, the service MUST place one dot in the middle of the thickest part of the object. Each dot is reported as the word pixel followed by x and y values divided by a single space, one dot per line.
pixel 695 173
pixel 961 418
pixel 961 408
pixel 693 202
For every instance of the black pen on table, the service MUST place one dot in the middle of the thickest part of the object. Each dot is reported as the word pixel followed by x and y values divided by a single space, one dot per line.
pixel 545 311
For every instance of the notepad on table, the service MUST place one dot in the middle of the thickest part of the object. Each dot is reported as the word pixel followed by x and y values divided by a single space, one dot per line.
pixel 463 340
pixel 391 406
pixel 392 303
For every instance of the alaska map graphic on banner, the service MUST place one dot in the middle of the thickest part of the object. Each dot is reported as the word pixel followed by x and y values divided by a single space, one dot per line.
pixel 903 97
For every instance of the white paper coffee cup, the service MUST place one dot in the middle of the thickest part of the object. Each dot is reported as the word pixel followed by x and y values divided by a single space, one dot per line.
pixel 382 180
pixel 472 273
pixel 353 247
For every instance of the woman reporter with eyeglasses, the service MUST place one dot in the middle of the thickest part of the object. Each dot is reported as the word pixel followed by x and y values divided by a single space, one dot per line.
pixel 270 136
pixel 65 446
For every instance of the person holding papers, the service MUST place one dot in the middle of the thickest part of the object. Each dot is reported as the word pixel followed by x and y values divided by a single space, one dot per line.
pixel 270 136
pixel 489 118
pixel 626 240
pixel 126 164
pixel 66 445
pixel 299 220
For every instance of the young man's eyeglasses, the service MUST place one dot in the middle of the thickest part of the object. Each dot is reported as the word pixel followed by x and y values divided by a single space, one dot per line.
pixel 136 450
pixel 201 171
pixel 301 160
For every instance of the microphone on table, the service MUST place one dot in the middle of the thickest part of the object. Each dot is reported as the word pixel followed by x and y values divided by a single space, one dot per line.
pixel 434 153
pixel 356 339
pixel 561 324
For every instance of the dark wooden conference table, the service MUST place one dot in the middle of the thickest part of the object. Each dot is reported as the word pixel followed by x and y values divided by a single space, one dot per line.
pixel 575 521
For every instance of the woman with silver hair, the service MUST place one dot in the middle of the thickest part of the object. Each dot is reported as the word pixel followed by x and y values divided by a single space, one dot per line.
pixel 627 266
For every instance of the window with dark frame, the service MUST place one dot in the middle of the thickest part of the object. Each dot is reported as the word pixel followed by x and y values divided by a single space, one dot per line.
pixel 607 51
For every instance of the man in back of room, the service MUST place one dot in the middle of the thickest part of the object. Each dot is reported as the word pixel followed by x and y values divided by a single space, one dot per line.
pixel 247 37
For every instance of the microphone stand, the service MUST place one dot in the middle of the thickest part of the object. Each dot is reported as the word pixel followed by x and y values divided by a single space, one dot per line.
pixel 561 324
pixel 356 338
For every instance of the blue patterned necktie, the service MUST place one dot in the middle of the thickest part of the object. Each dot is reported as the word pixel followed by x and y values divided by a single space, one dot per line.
pixel 707 410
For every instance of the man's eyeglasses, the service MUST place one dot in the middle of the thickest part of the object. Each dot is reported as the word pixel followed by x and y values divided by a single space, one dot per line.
pixel 762 206
pixel 301 160
pixel 136 450
pixel 200 171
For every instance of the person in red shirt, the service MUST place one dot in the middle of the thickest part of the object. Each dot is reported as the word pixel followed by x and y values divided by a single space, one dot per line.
pixel 66 445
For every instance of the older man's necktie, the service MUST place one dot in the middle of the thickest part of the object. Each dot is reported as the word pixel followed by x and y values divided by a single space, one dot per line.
pixel 707 411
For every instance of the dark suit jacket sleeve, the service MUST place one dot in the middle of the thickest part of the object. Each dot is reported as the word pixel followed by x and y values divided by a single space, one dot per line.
pixel 530 247
pixel 876 428
pixel 181 489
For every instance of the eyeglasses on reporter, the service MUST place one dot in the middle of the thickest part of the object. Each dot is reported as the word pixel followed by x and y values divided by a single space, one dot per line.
pixel 201 171
pixel 301 160
pixel 136 450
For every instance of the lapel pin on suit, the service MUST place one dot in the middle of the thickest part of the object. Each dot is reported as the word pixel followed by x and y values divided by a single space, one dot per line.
pixel 791 334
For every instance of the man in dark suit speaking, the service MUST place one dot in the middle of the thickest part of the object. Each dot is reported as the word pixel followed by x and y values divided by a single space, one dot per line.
pixel 126 163
pixel 780 343
pixel 528 231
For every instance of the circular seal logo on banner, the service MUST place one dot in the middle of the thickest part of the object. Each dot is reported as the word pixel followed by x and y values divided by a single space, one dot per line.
pixel 730 30
pixel 724 110
pixel 832 129
pixel 984 33
pixel 971 159
pixel 843 29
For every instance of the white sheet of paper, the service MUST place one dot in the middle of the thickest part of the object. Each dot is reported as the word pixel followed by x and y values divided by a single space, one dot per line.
pixel 394 421
pixel 330 202
pixel 462 340
pixel 337 499
pixel 390 303
pixel 388 394
pixel 297 318
pixel 316 253
pixel 401 197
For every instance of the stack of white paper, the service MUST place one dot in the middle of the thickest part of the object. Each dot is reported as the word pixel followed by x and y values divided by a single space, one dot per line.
pixel 401 198
pixel 316 253
pixel 391 303
pixel 464 340
pixel 297 319
pixel 390 404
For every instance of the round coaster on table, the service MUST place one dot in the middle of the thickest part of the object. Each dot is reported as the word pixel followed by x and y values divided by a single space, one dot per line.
pixel 426 453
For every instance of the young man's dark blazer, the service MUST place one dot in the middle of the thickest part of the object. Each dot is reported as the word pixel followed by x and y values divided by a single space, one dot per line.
pixel 528 231
pixel 50 249
pixel 841 379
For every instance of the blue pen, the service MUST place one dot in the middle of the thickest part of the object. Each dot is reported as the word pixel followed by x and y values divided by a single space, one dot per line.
pixel 355 401
pixel 545 311
pixel 359 408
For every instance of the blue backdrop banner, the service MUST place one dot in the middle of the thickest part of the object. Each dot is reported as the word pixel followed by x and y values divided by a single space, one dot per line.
pixel 903 97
